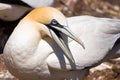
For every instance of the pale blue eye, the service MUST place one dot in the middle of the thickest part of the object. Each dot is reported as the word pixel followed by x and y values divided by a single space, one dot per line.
pixel 54 22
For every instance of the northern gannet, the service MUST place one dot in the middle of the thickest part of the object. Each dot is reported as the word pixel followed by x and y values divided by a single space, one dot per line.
pixel 44 31
pixel 43 59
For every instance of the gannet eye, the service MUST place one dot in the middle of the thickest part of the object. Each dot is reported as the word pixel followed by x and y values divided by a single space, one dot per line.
pixel 54 22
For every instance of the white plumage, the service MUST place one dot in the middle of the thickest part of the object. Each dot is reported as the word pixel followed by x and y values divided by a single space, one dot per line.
pixel 29 56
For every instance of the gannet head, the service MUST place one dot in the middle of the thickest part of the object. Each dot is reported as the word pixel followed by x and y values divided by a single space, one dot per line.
pixel 54 24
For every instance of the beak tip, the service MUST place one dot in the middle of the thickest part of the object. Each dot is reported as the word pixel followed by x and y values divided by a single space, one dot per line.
pixel 83 46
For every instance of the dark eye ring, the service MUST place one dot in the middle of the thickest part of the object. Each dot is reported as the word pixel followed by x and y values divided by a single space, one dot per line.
pixel 54 22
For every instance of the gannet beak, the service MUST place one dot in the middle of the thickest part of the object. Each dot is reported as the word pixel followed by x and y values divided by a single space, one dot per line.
pixel 56 33
pixel 70 34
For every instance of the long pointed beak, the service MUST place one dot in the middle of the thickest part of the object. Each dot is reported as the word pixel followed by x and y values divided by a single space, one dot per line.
pixel 59 39
pixel 69 33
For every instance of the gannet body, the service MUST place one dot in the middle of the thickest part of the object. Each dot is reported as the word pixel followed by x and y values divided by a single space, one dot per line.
pixel 39 49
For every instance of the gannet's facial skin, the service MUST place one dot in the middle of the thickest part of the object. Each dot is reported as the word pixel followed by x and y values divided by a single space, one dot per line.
pixel 53 24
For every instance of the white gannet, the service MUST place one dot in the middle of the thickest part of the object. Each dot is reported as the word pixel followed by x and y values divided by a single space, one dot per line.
pixel 33 53
pixel 39 34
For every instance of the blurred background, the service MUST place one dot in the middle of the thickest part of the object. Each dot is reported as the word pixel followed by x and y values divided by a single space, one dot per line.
pixel 99 8
pixel 109 70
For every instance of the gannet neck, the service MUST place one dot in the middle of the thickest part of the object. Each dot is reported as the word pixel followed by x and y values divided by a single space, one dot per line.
pixel 24 41
pixel 25 49
pixel 24 37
